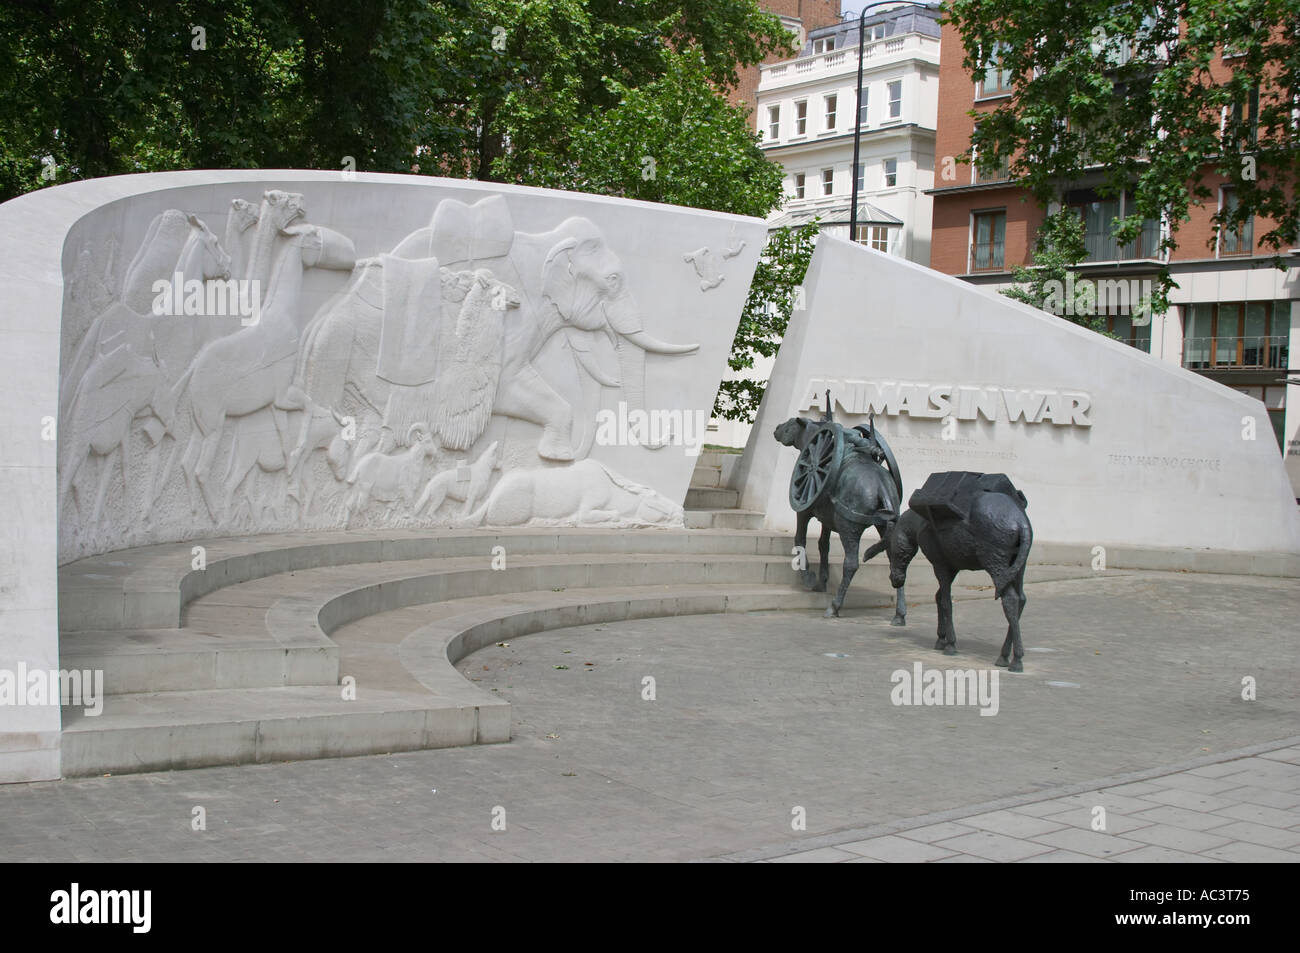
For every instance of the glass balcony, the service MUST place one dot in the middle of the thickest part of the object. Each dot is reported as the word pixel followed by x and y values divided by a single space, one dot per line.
pixel 1204 353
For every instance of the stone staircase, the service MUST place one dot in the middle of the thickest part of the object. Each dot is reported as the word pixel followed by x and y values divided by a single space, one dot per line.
pixel 288 647
pixel 710 503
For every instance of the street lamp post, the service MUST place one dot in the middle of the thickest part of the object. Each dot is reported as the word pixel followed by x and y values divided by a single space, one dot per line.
pixel 857 113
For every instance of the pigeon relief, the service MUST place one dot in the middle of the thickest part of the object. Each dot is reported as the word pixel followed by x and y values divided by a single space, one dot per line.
pixel 452 377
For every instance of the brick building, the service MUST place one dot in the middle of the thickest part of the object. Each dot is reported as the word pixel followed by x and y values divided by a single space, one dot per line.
pixel 1234 317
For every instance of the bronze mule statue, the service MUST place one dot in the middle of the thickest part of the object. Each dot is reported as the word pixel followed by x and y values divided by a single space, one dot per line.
pixel 961 521
pixel 839 479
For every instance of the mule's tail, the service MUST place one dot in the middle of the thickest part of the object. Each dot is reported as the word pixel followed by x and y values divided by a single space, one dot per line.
pixel 1017 568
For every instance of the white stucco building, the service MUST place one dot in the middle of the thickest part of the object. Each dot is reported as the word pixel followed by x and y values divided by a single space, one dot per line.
pixel 804 115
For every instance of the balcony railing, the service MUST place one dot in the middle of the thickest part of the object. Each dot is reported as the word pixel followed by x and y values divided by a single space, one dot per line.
pixel 1203 353
pixel 987 256
pixel 846 59
pixel 1101 244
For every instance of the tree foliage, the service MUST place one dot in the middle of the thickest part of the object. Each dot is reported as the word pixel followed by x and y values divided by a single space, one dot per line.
pixel 1060 247
pixel 774 295
pixel 489 89
pixel 672 140
pixel 1128 94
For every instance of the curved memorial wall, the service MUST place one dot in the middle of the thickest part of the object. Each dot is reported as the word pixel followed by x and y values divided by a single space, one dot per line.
pixel 269 352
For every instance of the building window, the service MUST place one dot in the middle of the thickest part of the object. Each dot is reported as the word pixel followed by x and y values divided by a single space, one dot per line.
pixel 999 174
pixel 896 99
pixel 1238 240
pixel 801 117
pixel 877 236
pixel 1241 121
pixel 890 167
pixel 1238 334
pixel 1099 214
pixel 861 177
pixel 862 109
pixel 773 122
pixel 831 102
pixel 996 81
pixel 824 45
pixel 828 181
pixel 876 32
pixel 799 182
pixel 989 234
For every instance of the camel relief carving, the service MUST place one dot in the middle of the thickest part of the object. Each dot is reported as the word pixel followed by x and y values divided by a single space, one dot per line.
pixel 252 369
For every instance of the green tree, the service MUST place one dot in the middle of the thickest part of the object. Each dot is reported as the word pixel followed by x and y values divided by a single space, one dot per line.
pixel 490 89
pixel 1059 248
pixel 104 88
pixel 672 140
pixel 559 61
pixel 1125 95
pixel 774 294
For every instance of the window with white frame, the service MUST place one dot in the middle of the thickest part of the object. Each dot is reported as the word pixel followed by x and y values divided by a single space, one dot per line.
pixel 801 117
pixel 996 81
pixel 877 236
pixel 824 45
pixel 861 177
pixel 890 167
pixel 832 101
pixel 896 99
pixel 773 122
pixel 828 181
pixel 876 31
pixel 862 109
pixel 799 185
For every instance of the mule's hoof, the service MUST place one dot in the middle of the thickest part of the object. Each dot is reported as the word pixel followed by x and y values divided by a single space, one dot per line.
pixel 1002 661
pixel 1016 666
pixel 939 645
pixel 831 613
pixel 950 650
pixel 898 620
pixel 820 587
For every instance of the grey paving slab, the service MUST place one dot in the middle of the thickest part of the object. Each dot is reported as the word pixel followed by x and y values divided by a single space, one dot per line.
pixel 1247 832
pixel 933 832
pixel 1087 841
pixel 1013 824
pixel 1181 817
pixel 991 846
pixel 1177 838
pixel 897 849
pixel 821 855
pixel 1162 855
pixel 1063 857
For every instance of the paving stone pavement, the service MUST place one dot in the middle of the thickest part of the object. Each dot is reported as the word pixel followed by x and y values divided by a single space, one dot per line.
pixel 1131 701
pixel 1129 822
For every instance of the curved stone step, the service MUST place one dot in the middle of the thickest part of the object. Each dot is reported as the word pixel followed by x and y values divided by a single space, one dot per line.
pixel 274 631
pixel 149 587
pixel 433 707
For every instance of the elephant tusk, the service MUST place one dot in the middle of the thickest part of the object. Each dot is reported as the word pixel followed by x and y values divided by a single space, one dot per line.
pixel 652 344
